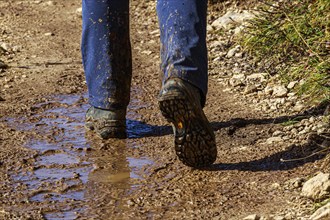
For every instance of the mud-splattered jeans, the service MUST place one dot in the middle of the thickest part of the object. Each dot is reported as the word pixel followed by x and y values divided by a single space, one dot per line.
pixel 106 48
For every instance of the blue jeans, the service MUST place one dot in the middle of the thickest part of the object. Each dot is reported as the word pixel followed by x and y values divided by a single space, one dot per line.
pixel 106 48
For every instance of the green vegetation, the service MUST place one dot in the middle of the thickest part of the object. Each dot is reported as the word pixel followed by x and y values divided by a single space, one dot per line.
pixel 292 38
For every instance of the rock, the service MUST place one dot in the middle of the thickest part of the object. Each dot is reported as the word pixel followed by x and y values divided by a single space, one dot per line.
pixel 239 55
pixel 273 140
pixel 292 84
pixel 268 90
pixel 280 91
pixel 147 52
pixel 252 217
pixel 256 78
pixel 231 19
pixel 233 51
pixel 3 65
pixel 217 59
pixel 49 3
pixel 298 107
pixel 2 99
pixel 318 187
pixel 278 133
pixel 16 48
pixel 79 11
pixel 155 32
pixel 279 218
pixel 49 34
pixel 237 80
pixel 322 213
pixel 250 89
pixel 4 46
pixel 209 28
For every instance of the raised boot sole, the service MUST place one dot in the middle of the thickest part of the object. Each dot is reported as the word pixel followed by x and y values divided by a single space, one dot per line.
pixel 194 138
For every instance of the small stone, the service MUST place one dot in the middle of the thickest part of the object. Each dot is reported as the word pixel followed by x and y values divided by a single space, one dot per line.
pixel 4 46
pixel 2 99
pixel 237 80
pixel 16 49
pixel 232 18
pixel 79 11
pixel 49 34
pixel 275 186
pixel 7 86
pixel 318 187
pixel 250 89
pixel 3 65
pixel 292 84
pixel 273 140
pixel 209 28
pixel 239 55
pixel 298 107
pixel 256 78
pixel 277 133
pixel 147 52
pixel 233 51
pixel 252 217
pixel 217 59
pixel 155 32
pixel 268 90
pixel 49 3
pixel 280 91
pixel 312 119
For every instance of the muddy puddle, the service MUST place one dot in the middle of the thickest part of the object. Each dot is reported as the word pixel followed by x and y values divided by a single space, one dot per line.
pixel 69 163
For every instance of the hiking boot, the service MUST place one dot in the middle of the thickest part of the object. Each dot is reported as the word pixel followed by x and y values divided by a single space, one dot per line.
pixel 180 104
pixel 107 124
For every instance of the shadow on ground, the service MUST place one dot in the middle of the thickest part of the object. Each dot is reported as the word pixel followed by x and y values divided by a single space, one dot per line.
pixel 294 156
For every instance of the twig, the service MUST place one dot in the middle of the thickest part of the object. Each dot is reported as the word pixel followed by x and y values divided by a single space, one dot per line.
pixel 303 158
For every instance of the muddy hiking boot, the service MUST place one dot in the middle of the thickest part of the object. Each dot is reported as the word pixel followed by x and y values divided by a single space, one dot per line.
pixel 179 103
pixel 107 124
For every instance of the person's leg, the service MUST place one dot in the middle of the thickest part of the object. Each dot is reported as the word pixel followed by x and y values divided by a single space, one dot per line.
pixel 184 85
pixel 106 54
pixel 183 41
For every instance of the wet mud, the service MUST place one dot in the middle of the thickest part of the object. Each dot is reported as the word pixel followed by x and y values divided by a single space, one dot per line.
pixel 51 168
pixel 62 163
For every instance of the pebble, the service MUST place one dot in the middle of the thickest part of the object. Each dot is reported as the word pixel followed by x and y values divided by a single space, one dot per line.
pixel 292 84
pixel 3 65
pixel 250 89
pixel 277 133
pixel 79 11
pixel 252 217
pixel 232 18
pixel 256 78
pixel 4 46
pixel 298 107
pixel 273 140
pixel 268 90
pixel 237 80
pixel 233 51
pixel 280 91
pixel 49 34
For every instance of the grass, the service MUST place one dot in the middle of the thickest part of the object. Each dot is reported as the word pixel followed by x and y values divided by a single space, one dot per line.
pixel 320 204
pixel 292 39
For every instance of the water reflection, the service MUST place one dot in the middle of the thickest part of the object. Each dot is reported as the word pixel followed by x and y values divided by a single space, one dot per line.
pixel 71 168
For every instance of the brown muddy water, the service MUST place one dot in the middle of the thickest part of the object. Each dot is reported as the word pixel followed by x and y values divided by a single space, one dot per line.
pixel 65 162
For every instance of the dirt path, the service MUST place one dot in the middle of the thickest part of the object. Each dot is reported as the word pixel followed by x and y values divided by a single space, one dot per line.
pixel 50 168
